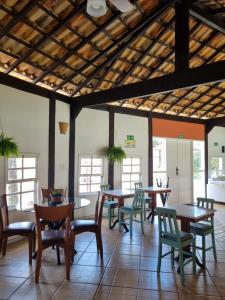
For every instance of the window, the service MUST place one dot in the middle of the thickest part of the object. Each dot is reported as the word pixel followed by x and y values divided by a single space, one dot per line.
pixel 159 160
pixel 131 172
pixel 22 181
pixel 91 174
pixel 198 169
pixel 216 166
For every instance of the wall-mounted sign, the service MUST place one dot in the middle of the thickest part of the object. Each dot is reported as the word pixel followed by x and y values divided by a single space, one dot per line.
pixel 130 142
pixel 180 136
pixel 215 144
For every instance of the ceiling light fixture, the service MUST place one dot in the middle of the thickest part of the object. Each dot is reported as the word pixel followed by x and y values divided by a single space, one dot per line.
pixel 97 8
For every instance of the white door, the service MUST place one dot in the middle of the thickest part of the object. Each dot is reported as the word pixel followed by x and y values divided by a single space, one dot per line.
pixel 179 170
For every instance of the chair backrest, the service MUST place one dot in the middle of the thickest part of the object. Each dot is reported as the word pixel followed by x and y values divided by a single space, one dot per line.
pixel 46 193
pixel 167 222
pixel 105 187
pixel 138 185
pixel 4 214
pixel 208 204
pixel 53 214
pixel 99 208
pixel 205 202
pixel 138 199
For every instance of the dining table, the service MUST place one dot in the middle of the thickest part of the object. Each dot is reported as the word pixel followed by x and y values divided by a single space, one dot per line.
pixel 190 213
pixel 122 194
pixel 79 202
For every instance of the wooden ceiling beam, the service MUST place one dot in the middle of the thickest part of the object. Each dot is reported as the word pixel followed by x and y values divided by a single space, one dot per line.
pixel 18 17
pixel 132 34
pixel 199 12
pixel 181 36
pixel 74 51
pixel 29 87
pixel 71 15
pixel 202 75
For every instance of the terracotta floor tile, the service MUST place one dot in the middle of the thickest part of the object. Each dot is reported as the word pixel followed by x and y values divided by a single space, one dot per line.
pixel 155 281
pixel 8 285
pixel 75 291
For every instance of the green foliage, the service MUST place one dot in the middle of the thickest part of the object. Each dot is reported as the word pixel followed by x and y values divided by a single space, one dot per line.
pixel 8 147
pixel 115 154
pixel 57 193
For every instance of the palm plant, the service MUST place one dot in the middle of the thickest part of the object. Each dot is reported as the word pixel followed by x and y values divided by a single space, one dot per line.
pixel 8 147
pixel 115 154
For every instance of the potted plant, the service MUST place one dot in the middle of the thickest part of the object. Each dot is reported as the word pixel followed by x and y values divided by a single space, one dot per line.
pixel 8 147
pixel 115 154
pixel 57 196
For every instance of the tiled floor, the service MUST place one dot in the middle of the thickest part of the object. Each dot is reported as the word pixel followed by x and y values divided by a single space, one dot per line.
pixel 127 272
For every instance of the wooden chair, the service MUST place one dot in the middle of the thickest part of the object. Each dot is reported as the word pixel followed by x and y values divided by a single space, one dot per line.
pixel 110 204
pixel 26 229
pixel 205 228
pixel 46 194
pixel 80 226
pixel 48 238
pixel 147 200
pixel 170 235
pixel 137 207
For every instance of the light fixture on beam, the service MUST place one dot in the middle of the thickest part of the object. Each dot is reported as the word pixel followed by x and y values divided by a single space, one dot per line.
pixel 96 8
pixel 63 127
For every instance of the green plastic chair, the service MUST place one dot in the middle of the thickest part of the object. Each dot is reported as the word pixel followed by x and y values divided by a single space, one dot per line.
pixel 110 204
pixel 170 235
pixel 147 200
pixel 132 210
pixel 205 228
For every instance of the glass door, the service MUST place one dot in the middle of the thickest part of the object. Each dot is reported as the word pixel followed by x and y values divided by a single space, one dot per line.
pixel 198 169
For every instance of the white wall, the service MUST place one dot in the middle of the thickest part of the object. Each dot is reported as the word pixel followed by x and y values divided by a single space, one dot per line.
pixel 61 146
pixel 92 127
pixel 25 118
pixel 137 126
pixel 217 134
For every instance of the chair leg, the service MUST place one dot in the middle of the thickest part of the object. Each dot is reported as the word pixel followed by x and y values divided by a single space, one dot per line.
pixel 58 255
pixel 181 265
pixel 72 241
pixel 194 257
pixel 99 242
pixel 131 226
pixel 4 245
pixel 109 216
pixel 120 221
pixel 172 257
pixel 1 242
pixel 30 245
pixel 203 250
pixel 38 266
pixel 159 257
pixel 214 245
pixel 67 254
pixel 142 222
pixel 34 241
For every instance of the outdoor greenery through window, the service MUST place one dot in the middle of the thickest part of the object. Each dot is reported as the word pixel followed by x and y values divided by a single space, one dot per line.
pixel 159 160
pixel 91 174
pixel 22 181
pixel 131 172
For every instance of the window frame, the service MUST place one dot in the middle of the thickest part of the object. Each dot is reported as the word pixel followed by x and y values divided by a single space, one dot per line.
pixel 20 181
pixel 140 173
pixel 79 172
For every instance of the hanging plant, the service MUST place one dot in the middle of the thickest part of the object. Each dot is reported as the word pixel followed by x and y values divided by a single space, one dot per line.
pixel 115 154
pixel 8 147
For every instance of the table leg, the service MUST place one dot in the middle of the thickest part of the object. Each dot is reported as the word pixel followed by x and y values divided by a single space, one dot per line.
pixel 120 203
pixel 153 206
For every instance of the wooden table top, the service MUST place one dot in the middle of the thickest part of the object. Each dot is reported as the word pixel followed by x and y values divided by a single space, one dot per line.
pixel 127 193
pixel 192 213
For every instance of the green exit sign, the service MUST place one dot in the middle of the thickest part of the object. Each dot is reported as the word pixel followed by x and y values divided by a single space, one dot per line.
pixel 130 137
pixel 181 136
